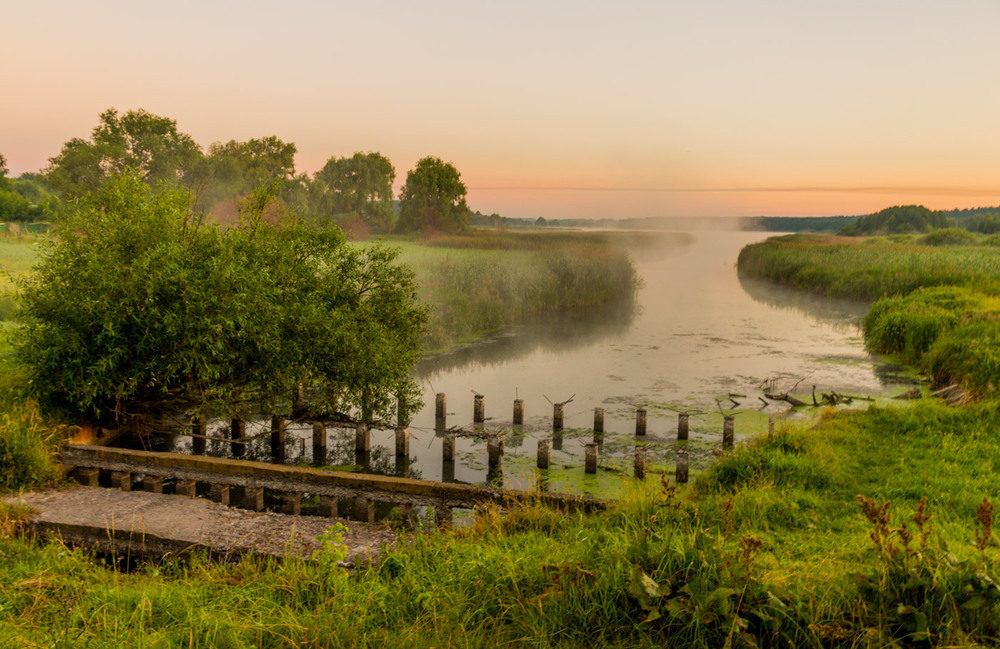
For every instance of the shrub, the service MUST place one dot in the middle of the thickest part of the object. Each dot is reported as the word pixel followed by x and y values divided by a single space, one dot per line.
pixel 136 309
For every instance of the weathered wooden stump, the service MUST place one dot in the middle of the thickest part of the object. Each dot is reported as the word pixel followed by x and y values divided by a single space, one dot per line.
pixel 494 450
pixel 557 416
pixel 153 484
pixel 598 420
pixel 639 464
pixel 590 457
pixel 238 434
pixel 199 431
pixel 728 434
pixel 328 506
pixel 518 412
pixel 403 442
pixel 681 475
pixel 640 421
pixel 682 426
pixel 362 438
pixel 544 453
pixel 479 409
pixel 185 488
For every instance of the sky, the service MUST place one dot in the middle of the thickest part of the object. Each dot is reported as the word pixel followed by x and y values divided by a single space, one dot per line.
pixel 554 109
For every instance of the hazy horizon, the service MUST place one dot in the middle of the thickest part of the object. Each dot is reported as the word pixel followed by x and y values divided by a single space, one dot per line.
pixel 560 110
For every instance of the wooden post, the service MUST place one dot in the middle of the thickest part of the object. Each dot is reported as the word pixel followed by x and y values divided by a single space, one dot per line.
pixel 298 399
pixel 557 416
pixel 121 480
pixel 682 467
pixel 87 476
pixel 479 409
pixel 278 437
pixel 518 412
pixel 544 453
pixel 153 484
pixel 440 408
pixel 770 426
pixel 319 435
pixel 639 465
pixel 494 450
pixel 219 493
pixel 448 448
pixel 198 431
pixel 591 454
pixel 682 425
pixel 598 420
pixel 401 419
pixel 403 442
pixel 640 421
pixel 185 488
pixel 443 516
pixel 328 506
pixel 362 438
pixel 292 502
pixel 727 431
pixel 254 498
pixel 238 433
pixel 364 510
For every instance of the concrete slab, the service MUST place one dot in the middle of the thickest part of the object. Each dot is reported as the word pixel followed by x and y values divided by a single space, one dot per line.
pixel 148 524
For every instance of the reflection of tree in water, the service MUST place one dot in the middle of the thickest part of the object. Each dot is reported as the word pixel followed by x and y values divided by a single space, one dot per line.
pixel 893 374
pixel 298 450
pixel 841 314
pixel 558 330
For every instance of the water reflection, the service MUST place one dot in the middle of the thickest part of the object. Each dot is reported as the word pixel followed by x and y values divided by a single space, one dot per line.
pixel 839 314
pixel 558 331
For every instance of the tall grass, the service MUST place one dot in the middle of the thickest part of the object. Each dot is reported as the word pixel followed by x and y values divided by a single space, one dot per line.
pixel 478 283
pixel 869 269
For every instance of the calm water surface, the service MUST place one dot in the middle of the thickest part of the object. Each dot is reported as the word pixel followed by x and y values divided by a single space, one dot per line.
pixel 697 334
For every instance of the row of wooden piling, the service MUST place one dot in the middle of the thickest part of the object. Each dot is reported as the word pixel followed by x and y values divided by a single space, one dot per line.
pixel 495 446
pixel 558 417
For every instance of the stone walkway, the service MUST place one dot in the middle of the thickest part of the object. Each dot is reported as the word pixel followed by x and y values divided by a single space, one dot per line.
pixel 153 525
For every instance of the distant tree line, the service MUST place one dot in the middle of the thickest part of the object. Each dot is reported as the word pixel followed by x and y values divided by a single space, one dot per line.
pixel 355 192
pixel 907 219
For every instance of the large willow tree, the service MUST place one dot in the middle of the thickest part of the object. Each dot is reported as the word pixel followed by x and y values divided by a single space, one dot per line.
pixel 136 311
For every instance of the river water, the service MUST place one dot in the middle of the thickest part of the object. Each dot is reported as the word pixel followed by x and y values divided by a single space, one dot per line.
pixel 696 334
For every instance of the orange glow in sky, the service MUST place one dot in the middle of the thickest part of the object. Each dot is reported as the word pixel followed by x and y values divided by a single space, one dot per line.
pixel 554 109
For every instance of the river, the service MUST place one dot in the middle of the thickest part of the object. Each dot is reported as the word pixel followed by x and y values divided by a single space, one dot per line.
pixel 696 334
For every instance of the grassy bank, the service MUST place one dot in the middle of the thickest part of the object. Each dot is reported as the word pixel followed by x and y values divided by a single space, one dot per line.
pixel 868 269
pixel 769 548
pixel 938 309
pixel 479 282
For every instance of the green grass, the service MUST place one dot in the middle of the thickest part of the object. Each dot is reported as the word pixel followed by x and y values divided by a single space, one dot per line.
pixel 478 283
pixel 870 268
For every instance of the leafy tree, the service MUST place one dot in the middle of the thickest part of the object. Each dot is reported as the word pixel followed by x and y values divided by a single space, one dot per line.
pixel 135 310
pixel 361 185
pixel 898 219
pixel 137 140
pixel 433 198
pixel 237 168
pixel 25 199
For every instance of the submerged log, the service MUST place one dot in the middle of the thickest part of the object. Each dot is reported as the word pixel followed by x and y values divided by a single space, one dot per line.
pixel 787 398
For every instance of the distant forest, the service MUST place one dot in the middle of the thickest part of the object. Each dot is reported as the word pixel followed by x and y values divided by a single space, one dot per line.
pixel 892 220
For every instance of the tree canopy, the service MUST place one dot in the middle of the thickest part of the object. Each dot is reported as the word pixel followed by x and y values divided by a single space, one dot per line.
pixel 361 185
pixel 135 310
pixel 898 219
pixel 433 198
pixel 137 140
